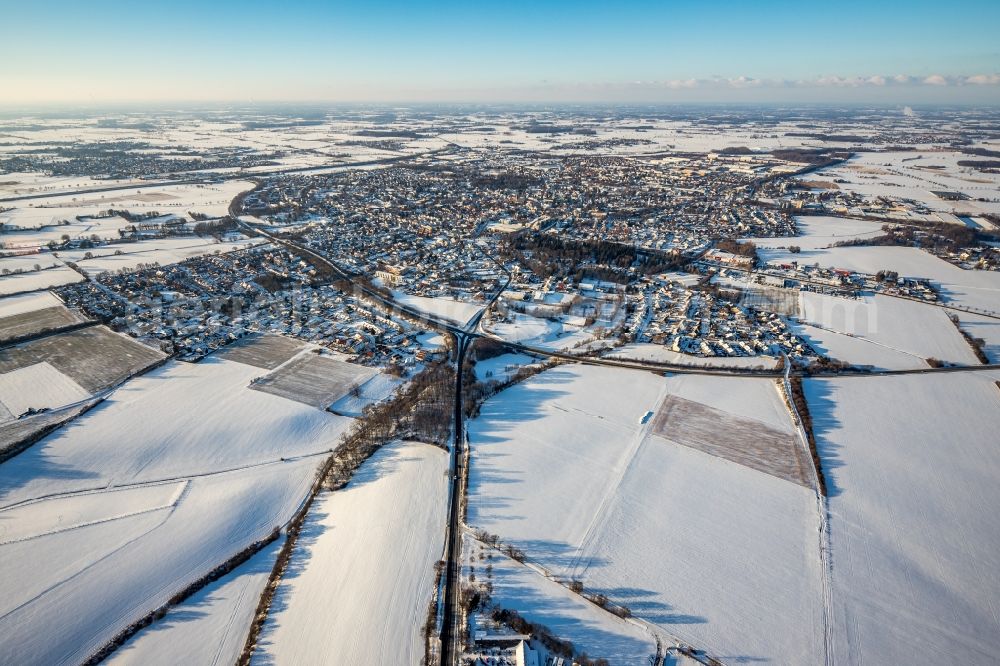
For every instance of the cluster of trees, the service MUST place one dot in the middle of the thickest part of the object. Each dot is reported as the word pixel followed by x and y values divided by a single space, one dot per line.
pixel 934 236
pixel 599 599
pixel 91 241
pixel 129 215
pixel 981 165
pixel 554 645
pixel 518 623
pixel 981 152
pixel 732 246
pixel 798 398
pixel 513 552
pixel 839 138
pixel 421 410
pixel 215 227
pixel 978 344
pixel 548 254
pixel 886 276
pixel 818 158
pixel 475 393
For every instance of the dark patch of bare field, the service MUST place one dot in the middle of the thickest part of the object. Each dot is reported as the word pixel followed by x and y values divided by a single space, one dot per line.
pixel 95 357
pixel 30 323
pixel 262 351
pixel 315 380
pixel 772 299
pixel 743 441
pixel 819 184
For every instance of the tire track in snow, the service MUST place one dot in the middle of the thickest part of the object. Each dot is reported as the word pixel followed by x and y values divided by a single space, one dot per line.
pixel 611 490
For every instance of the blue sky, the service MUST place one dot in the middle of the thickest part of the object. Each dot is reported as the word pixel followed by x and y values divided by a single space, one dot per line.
pixel 491 51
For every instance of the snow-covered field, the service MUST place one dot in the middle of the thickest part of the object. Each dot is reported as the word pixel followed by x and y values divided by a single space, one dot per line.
pixel 36 386
pixel 24 303
pixel 380 387
pixel 28 262
pixel 36 280
pixel 66 593
pixel 37 226
pixel 174 473
pixel 907 175
pixel 547 334
pixel 500 368
pixel 819 231
pixel 208 628
pixel 19 183
pixel 661 135
pixel 567 615
pixel 179 420
pixel 211 199
pixel 162 251
pixel 362 574
pixel 912 465
pixel 717 554
pixel 886 324
pixel 458 312
pixel 856 350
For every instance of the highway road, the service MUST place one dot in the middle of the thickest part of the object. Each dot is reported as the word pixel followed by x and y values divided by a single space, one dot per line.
pixel 451 630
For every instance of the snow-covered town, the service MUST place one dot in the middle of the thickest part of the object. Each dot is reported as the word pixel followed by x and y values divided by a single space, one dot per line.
pixel 630 371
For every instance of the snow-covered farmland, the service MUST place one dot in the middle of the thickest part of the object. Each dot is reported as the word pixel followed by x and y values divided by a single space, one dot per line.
pixel 819 231
pixel 17 283
pixel 36 321
pixel 19 183
pixel 315 380
pixel 712 552
pixel 67 593
pixel 25 303
pixel 208 628
pixel 911 464
pixel 569 616
pixel 363 569
pixel 35 227
pixel 179 420
pixel 173 474
pixel 28 262
pixel 211 199
pixel 856 350
pixel 94 357
pixel 885 323
pixel 162 251
pixel 38 386
pixel 916 175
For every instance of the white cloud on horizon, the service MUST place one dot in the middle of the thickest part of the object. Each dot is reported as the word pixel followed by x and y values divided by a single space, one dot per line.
pixel 875 80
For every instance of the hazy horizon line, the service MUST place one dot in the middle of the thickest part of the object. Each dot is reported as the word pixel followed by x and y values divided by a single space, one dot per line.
pixel 221 104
